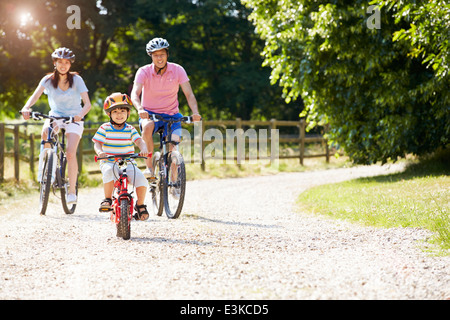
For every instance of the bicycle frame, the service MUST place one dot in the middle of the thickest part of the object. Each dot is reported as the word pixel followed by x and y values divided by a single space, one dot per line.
pixel 59 149
pixel 122 198
pixel 58 155
pixel 167 139
pixel 121 193
pixel 167 181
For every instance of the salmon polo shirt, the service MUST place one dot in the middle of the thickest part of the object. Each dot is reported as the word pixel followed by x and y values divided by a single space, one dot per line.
pixel 160 92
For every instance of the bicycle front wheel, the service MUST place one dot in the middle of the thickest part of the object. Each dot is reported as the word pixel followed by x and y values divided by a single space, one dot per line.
pixel 156 187
pixel 46 181
pixel 64 185
pixel 174 185
pixel 123 227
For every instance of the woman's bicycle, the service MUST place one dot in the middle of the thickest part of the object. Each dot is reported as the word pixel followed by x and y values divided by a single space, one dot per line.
pixel 123 201
pixel 169 188
pixel 54 165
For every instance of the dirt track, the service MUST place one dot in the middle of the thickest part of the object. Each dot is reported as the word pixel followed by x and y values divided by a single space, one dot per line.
pixel 236 239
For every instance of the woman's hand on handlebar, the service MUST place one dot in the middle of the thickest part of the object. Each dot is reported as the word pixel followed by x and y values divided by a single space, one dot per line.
pixel 26 112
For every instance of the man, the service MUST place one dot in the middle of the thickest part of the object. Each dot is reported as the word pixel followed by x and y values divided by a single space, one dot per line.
pixel 159 84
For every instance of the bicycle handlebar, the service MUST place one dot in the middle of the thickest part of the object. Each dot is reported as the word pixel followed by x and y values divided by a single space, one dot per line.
pixel 38 116
pixel 120 156
pixel 157 117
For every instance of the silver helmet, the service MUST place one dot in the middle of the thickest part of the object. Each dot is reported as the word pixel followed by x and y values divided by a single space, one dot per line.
pixel 157 44
pixel 63 53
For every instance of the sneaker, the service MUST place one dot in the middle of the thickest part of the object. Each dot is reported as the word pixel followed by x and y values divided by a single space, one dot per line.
pixel 71 198
pixel 148 173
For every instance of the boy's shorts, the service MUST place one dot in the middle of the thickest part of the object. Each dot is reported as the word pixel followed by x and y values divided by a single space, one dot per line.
pixel 176 127
pixel 110 173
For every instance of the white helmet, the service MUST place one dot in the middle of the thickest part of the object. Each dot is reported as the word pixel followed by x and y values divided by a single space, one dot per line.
pixel 157 44
pixel 63 53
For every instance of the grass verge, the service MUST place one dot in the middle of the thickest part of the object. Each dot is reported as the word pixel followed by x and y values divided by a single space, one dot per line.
pixel 417 198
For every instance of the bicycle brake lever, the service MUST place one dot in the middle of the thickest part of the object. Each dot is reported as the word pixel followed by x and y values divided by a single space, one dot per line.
pixel 190 119
pixel 34 116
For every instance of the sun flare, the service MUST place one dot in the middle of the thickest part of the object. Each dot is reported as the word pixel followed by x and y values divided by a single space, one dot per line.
pixel 25 18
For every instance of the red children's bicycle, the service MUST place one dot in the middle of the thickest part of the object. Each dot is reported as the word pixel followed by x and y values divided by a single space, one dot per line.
pixel 123 202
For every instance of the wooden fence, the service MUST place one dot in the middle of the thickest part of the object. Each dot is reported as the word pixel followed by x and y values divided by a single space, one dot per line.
pixel 25 147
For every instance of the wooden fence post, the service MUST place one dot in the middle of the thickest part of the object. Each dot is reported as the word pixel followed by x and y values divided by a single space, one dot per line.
pixel 327 149
pixel 203 145
pixel 2 151
pixel 32 156
pixel 273 127
pixel 302 140
pixel 239 137
pixel 16 153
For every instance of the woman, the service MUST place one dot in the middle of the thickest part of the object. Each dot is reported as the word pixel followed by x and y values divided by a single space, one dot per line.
pixel 65 90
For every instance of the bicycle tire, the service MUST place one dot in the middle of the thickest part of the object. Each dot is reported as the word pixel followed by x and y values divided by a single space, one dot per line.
pixel 156 187
pixel 46 181
pixel 68 209
pixel 173 205
pixel 123 227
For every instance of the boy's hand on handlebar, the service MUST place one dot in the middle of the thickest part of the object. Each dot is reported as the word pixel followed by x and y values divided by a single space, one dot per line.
pixel 102 155
pixel 144 152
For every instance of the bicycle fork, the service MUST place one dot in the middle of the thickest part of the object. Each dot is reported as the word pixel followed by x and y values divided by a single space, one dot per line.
pixel 122 194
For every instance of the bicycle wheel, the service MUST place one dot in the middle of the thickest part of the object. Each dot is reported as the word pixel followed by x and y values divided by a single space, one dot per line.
pixel 174 185
pixel 156 187
pixel 123 227
pixel 64 186
pixel 46 181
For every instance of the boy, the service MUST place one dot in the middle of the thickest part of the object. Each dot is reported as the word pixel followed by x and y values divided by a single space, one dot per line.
pixel 117 137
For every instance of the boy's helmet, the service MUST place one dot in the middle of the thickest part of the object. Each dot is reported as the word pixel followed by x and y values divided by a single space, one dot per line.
pixel 63 53
pixel 157 44
pixel 117 100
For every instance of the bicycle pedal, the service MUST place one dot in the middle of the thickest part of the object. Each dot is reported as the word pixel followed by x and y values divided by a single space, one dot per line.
pixel 105 209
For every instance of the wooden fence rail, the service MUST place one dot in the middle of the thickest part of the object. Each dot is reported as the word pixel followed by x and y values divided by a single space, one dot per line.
pixel 25 146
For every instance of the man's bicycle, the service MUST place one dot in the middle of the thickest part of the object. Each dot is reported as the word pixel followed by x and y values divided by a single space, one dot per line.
pixel 123 201
pixel 54 165
pixel 169 188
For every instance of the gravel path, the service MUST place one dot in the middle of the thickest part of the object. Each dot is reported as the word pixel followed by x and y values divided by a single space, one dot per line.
pixel 236 239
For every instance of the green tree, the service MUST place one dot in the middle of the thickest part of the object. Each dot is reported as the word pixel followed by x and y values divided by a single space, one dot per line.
pixel 380 100
pixel 26 45
pixel 212 39
pixel 216 44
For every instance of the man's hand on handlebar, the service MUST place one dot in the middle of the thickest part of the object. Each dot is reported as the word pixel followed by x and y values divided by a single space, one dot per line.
pixel 196 117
